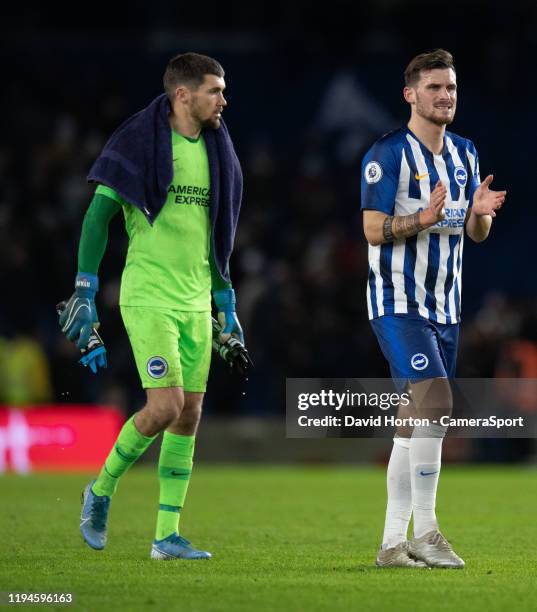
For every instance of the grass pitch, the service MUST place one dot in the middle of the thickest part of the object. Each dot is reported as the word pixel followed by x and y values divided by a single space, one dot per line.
pixel 282 538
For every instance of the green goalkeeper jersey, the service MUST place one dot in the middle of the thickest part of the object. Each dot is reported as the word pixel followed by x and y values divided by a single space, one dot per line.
pixel 168 263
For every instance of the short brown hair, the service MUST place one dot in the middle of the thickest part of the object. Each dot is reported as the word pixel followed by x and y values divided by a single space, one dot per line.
pixel 189 69
pixel 439 58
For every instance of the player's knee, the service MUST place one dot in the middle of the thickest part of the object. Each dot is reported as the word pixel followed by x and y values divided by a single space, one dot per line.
pixel 442 406
pixel 405 414
pixel 191 415
pixel 432 398
pixel 172 410
pixel 166 407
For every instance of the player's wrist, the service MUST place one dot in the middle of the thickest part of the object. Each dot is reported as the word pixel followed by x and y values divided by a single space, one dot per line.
pixel 224 299
pixel 427 218
pixel 86 285
pixel 478 213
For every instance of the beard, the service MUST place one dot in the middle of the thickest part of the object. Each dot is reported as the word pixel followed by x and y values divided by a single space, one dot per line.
pixel 432 117
pixel 199 115
pixel 212 123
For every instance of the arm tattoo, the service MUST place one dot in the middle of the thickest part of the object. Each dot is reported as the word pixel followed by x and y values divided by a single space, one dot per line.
pixel 405 226
pixel 387 229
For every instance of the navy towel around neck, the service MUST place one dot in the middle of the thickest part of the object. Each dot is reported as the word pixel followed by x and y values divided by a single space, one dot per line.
pixel 137 163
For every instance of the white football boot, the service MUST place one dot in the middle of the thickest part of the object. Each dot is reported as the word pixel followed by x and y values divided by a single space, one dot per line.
pixel 435 550
pixel 398 557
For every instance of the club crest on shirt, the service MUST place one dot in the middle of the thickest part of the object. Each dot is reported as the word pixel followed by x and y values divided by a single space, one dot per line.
pixel 461 176
pixel 157 367
pixel 372 172
pixel 419 361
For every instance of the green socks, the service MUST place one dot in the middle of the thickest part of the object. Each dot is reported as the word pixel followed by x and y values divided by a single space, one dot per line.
pixel 129 446
pixel 174 469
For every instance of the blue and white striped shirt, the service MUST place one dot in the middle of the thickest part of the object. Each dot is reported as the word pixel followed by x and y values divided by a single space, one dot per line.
pixel 420 275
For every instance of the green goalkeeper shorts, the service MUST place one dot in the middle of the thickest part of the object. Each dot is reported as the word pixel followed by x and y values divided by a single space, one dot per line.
pixel 172 348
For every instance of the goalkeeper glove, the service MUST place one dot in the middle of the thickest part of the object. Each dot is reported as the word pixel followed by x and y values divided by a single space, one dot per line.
pixel 79 317
pixel 94 354
pixel 232 351
pixel 227 317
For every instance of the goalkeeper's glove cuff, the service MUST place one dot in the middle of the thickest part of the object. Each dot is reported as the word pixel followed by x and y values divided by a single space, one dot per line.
pixel 227 317
pixel 86 285
pixel 225 299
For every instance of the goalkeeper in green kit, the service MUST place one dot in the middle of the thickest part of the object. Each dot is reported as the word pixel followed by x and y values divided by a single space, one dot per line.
pixel 173 172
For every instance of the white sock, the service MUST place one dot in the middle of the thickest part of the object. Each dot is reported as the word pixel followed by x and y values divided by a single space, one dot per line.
pixel 399 506
pixel 425 462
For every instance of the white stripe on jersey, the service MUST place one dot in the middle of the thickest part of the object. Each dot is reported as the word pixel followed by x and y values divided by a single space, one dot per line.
pixel 374 262
pixel 441 168
pixel 473 165
pixel 398 254
pixel 457 161
pixel 368 294
pixel 422 242
pixel 420 271
pixel 403 204
pixel 457 272
pixel 439 288
pixel 398 261
pixel 459 275
pixel 421 166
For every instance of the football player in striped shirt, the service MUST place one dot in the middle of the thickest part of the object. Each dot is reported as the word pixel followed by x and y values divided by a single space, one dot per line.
pixel 421 192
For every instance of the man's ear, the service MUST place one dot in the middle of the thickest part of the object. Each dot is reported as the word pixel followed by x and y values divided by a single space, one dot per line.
pixel 409 93
pixel 182 94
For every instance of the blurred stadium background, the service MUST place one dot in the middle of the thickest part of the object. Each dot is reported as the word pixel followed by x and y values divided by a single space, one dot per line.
pixel 305 102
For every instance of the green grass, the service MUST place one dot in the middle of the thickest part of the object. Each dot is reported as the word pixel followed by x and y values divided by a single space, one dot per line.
pixel 283 538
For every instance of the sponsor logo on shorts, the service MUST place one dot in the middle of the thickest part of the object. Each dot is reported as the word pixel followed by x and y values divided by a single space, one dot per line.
pixel 419 361
pixel 157 367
